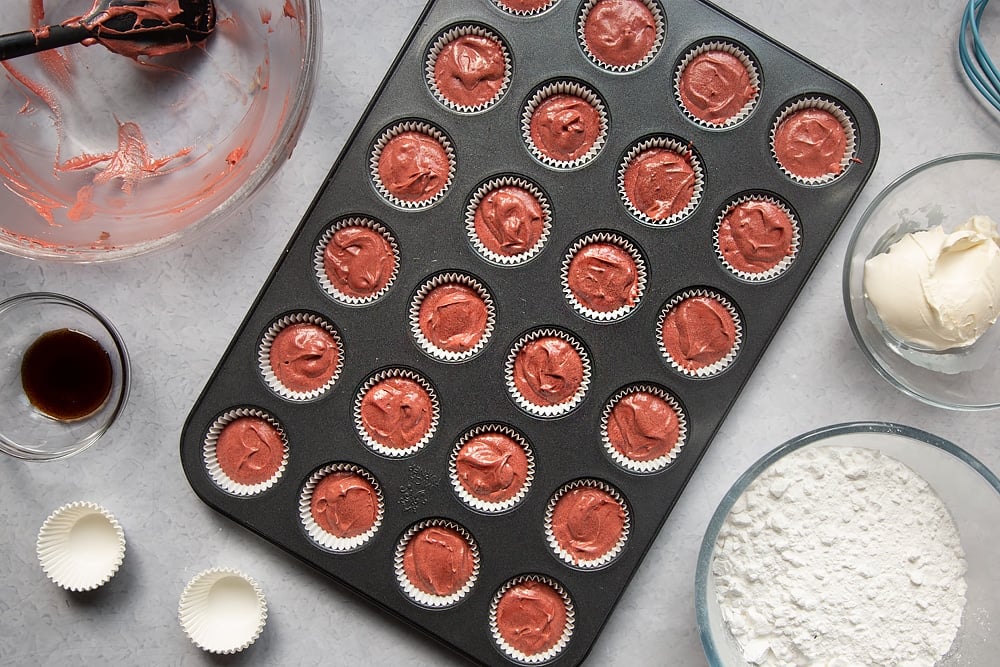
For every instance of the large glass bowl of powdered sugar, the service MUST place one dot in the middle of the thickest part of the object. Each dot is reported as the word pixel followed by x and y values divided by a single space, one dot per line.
pixel 856 544
pixel 922 282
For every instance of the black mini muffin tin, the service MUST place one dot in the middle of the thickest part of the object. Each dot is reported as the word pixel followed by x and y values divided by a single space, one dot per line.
pixel 377 336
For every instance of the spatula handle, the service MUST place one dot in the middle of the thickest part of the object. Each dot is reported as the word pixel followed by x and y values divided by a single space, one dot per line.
pixel 26 42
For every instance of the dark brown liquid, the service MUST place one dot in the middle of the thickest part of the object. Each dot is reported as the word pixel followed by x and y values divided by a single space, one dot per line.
pixel 66 374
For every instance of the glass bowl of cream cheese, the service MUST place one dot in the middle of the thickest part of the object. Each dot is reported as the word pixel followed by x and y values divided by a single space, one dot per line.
pixel 107 154
pixel 922 282
pixel 866 543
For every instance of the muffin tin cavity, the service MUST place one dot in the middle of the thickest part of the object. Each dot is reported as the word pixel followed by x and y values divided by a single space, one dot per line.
pixel 301 356
pixel 543 295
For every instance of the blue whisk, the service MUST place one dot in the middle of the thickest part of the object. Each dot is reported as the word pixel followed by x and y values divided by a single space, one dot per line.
pixel 975 60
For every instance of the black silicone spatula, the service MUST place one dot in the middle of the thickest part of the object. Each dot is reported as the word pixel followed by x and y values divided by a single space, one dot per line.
pixel 128 27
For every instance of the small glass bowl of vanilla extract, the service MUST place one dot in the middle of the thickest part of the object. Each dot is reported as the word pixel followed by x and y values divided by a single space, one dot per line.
pixel 64 376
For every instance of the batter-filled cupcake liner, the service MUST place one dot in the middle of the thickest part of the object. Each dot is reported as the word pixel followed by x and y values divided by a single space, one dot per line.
pixel 542 6
pixel 319 260
pixel 640 270
pixel 435 51
pixel 387 450
pixel 652 465
pixel 72 562
pixel 543 656
pixel 842 117
pixel 576 90
pixel 418 333
pixel 210 456
pixel 316 532
pixel 659 24
pixel 600 559
pixel 477 199
pixel 410 589
pixel 782 265
pixel 710 369
pixel 752 72
pixel 683 150
pixel 264 356
pixel 396 130
pixel 478 503
pixel 547 411
pixel 222 611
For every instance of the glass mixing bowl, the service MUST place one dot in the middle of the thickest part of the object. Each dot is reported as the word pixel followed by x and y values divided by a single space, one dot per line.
pixel 104 157
pixel 946 191
pixel 968 489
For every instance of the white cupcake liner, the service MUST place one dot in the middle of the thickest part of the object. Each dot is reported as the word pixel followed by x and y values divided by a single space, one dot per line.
pixel 560 644
pixel 783 264
pixel 653 465
pixel 419 596
pixel 547 410
pixel 683 150
pixel 319 265
pixel 602 559
pixel 565 88
pixel 850 149
pixel 548 4
pixel 80 546
pixel 370 441
pixel 659 23
pixel 264 356
pixel 478 503
pixel 396 130
pixel 435 51
pixel 640 270
pixel 748 62
pixel 477 198
pixel 418 334
pixel 215 471
pixel 718 366
pixel 316 532
pixel 222 611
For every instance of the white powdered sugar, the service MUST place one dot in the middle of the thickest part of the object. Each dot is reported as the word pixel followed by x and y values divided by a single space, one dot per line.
pixel 840 556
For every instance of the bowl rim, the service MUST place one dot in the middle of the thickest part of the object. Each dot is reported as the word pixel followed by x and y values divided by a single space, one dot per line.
pixel 17 450
pixel 847 274
pixel 706 552
pixel 266 169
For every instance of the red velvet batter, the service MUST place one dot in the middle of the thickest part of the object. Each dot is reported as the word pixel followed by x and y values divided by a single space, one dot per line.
pixel 603 277
pixel 715 86
pixel 304 356
pixel 564 127
pixel 414 166
pixel 754 236
pixel 587 523
pixel 250 450
pixel 548 371
pixel 344 504
pixel 509 221
pixel 659 183
pixel 620 32
pixel 531 617
pixel 359 261
pixel 438 561
pixel 810 143
pixel 453 317
pixel 492 467
pixel 469 71
pixel 526 5
pixel 698 332
pixel 397 412
pixel 643 426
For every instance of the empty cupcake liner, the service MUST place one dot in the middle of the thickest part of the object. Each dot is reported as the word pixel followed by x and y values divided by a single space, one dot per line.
pixel 411 590
pixel 477 198
pixel 318 534
pixel 374 444
pixel 529 8
pixel 547 410
pixel 601 559
pixel 264 356
pixel 659 23
pixel 748 62
pixel 640 270
pixel 391 133
pixel 850 149
pixel 324 279
pixel 435 51
pixel 211 459
pixel 783 264
pixel 80 546
pixel 682 149
pixel 418 333
pixel 718 366
pixel 476 502
pixel 222 611
pixel 564 638
pixel 652 465
pixel 565 88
